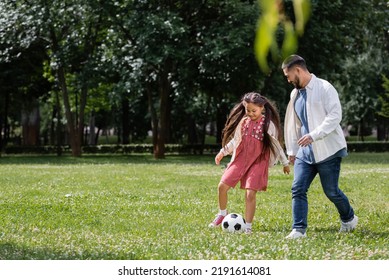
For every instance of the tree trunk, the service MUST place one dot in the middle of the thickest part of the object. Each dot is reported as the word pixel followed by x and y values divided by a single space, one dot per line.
pixel 361 130
pixel 4 124
pixel 74 138
pixel 154 118
pixel 192 131
pixel 204 130
pixel 31 126
pixel 52 126
pixel 81 116
pixel 58 132
pixel 97 135
pixel 162 125
pixel 1 135
pixel 125 120
pixel 164 87
pixel 382 128
pixel 6 128
pixel 220 122
pixel 92 127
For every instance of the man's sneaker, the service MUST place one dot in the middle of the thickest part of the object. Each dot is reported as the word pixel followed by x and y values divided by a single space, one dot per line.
pixel 296 234
pixel 349 226
pixel 217 221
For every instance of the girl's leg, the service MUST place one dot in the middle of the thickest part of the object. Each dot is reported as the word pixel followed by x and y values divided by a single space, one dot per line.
pixel 222 192
pixel 250 205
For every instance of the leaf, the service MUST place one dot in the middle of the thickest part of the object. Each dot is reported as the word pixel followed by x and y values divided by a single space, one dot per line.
pixel 289 45
pixel 272 16
pixel 262 44
pixel 302 10
pixel 265 36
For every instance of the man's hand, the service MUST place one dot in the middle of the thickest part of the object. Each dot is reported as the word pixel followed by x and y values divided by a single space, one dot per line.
pixel 291 159
pixel 305 140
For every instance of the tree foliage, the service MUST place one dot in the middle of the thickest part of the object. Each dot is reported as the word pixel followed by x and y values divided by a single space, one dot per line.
pixel 177 67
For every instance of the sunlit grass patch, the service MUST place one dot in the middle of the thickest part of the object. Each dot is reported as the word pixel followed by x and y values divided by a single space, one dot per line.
pixel 134 207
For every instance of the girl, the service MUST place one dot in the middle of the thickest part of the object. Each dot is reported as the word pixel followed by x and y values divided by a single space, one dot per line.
pixel 252 135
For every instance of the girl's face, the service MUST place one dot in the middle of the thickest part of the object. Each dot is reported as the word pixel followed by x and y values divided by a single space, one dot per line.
pixel 253 111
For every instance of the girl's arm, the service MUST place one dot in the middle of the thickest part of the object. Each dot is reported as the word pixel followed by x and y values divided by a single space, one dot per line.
pixel 229 148
pixel 280 151
pixel 283 158
pixel 272 131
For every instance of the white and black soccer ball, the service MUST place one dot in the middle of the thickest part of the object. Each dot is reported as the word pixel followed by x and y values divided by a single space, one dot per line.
pixel 233 223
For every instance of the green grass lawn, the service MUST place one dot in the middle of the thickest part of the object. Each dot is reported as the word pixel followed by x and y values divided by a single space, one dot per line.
pixel 134 207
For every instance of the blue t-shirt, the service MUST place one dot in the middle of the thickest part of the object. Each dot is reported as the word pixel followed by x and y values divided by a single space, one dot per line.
pixel 300 106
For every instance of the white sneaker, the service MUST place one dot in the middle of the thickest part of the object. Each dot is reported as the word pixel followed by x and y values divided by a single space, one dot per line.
pixel 296 234
pixel 349 226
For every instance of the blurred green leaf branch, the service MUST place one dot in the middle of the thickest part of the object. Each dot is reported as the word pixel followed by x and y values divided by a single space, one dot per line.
pixel 272 18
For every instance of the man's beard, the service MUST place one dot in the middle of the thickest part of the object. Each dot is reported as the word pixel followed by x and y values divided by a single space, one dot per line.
pixel 297 84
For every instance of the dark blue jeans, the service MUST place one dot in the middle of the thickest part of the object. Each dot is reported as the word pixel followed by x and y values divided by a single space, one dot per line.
pixel 304 174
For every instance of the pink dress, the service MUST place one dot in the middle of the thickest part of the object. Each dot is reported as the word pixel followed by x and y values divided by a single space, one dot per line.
pixel 248 166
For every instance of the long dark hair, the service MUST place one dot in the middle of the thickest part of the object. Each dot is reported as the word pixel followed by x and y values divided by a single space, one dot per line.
pixel 239 111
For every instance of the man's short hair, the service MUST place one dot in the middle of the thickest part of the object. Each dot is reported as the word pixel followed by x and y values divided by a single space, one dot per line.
pixel 293 60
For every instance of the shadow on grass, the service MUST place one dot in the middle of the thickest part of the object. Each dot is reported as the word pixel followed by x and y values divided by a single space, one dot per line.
pixel 10 251
pixel 360 232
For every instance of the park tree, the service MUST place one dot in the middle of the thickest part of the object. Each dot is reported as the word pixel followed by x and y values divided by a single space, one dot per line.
pixel 157 44
pixel 360 91
pixel 185 57
pixel 22 84
pixel 75 31
pixel 226 64
pixel 175 66
pixel 72 32
pixel 362 66
pixel 152 40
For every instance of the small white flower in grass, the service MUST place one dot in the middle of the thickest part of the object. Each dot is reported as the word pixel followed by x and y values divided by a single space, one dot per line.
pixel 68 195
pixel 240 248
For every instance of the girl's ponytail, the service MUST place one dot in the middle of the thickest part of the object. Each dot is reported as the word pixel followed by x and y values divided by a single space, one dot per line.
pixel 271 115
pixel 235 116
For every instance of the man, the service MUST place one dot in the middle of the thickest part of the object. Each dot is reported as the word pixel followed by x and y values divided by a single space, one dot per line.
pixel 315 143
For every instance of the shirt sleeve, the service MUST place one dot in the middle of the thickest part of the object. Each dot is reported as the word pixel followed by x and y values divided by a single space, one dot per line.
pixel 229 148
pixel 280 151
pixel 282 157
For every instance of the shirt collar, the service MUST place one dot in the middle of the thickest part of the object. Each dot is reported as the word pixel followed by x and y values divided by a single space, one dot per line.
pixel 311 82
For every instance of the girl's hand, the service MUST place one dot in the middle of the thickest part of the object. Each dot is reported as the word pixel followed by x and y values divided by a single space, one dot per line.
pixel 218 158
pixel 286 169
